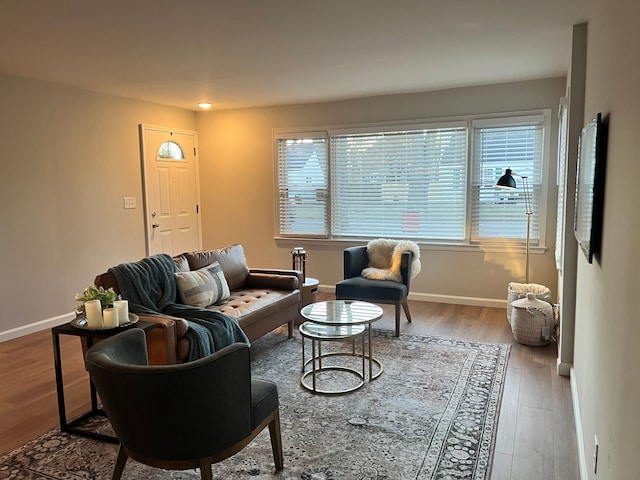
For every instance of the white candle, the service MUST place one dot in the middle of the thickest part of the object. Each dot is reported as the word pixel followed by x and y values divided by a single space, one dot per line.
pixel 93 310
pixel 123 310
pixel 110 318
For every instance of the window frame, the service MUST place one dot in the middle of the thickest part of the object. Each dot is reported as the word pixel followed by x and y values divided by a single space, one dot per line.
pixel 504 118
pixel 279 217
pixel 561 173
pixel 540 209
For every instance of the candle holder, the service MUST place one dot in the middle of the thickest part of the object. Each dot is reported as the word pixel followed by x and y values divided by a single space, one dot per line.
pixel 299 259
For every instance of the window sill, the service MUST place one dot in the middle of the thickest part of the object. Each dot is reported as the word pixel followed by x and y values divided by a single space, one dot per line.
pixel 432 246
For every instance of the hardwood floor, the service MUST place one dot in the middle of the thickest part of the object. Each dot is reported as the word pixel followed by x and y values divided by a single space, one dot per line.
pixel 536 432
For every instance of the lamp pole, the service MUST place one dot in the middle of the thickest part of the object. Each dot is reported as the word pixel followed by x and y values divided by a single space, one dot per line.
pixel 528 212
pixel 507 182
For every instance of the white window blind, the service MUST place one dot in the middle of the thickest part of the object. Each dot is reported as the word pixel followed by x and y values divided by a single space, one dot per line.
pixel 498 144
pixel 409 183
pixel 302 185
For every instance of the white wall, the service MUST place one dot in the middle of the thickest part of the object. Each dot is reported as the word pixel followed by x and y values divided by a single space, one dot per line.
pixel 68 159
pixel 237 172
pixel 607 354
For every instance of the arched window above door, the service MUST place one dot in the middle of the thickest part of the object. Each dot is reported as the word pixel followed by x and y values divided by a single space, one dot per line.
pixel 170 150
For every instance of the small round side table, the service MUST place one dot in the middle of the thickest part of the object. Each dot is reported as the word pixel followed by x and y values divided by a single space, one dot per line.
pixel 309 293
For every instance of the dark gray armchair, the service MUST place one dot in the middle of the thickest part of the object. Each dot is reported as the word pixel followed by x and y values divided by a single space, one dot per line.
pixel 182 416
pixel 356 287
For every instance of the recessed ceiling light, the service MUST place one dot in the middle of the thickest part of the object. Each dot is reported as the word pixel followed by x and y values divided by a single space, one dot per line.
pixel 204 105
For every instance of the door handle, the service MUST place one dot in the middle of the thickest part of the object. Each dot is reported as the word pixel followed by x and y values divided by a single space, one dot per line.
pixel 155 225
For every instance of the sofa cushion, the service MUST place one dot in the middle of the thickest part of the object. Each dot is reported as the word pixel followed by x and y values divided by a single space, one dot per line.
pixel 253 302
pixel 231 259
pixel 202 287
pixel 182 264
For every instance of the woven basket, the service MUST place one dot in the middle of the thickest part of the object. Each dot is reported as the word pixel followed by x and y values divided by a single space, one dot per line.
pixel 520 290
pixel 532 321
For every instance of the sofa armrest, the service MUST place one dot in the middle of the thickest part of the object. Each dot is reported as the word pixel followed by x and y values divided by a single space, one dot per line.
pixel 162 340
pixel 107 280
pixel 274 278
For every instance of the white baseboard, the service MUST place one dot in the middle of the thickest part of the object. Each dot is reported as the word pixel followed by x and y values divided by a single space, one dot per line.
pixel 36 327
pixel 564 368
pixel 582 458
pixel 454 299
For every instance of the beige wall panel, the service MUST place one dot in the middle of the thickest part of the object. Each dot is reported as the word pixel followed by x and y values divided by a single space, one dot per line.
pixel 69 158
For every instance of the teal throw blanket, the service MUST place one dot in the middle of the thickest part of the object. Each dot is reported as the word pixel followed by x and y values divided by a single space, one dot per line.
pixel 150 287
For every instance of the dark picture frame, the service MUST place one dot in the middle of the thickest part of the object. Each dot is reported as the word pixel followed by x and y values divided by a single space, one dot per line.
pixel 590 181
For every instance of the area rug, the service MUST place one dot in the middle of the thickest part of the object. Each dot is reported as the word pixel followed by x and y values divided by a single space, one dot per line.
pixel 432 414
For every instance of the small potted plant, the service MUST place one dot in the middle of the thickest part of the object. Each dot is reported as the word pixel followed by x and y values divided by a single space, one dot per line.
pixel 106 297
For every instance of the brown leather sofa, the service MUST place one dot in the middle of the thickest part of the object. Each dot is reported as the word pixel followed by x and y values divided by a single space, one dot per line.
pixel 261 300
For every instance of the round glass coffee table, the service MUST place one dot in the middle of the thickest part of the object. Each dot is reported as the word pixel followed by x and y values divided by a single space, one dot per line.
pixel 339 320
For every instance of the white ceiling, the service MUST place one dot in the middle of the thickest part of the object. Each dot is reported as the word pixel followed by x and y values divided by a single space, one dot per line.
pixel 242 53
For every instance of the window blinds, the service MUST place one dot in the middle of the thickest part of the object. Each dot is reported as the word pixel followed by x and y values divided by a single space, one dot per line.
pixel 302 185
pixel 497 213
pixel 405 183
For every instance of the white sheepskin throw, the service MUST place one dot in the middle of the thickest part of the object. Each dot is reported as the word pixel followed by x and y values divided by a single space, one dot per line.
pixel 385 256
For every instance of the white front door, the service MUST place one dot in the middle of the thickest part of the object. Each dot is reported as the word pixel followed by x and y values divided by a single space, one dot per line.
pixel 172 197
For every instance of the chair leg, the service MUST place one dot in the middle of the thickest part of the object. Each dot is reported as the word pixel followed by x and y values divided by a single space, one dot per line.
pixel 405 306
pixel 290 327
pixel 120 462
pixel 276 441
pixel 205 469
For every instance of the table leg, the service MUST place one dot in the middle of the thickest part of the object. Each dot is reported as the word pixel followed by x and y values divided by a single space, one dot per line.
pixel 362 351
pixel 57 365
pixel 313 362
pixel 370 354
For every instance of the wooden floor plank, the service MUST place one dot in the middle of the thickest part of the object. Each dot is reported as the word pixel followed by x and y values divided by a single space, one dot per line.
pixel 501 468
pixel 536 379
pixel 533 454
pixel 509 412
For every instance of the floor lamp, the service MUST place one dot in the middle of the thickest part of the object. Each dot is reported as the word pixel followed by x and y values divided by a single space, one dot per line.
pixel 507 182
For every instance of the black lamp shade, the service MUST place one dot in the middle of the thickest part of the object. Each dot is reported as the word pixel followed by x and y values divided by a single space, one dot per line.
pixel 506 180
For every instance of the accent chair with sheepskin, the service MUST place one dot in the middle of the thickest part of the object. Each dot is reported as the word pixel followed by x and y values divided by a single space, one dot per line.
pixel 380 272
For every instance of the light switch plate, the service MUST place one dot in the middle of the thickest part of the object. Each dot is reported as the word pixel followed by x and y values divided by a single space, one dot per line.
pixel 129 202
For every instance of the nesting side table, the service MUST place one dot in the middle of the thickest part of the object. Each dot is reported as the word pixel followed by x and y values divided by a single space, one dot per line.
pixel 338 320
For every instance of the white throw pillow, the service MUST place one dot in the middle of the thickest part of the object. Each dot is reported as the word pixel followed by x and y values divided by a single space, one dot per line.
pixel 203 287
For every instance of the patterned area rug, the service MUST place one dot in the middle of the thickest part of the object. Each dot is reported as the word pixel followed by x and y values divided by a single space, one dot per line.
pixel 432 414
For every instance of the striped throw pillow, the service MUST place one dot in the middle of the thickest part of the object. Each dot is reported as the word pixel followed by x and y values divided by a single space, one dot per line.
pixel 203 287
